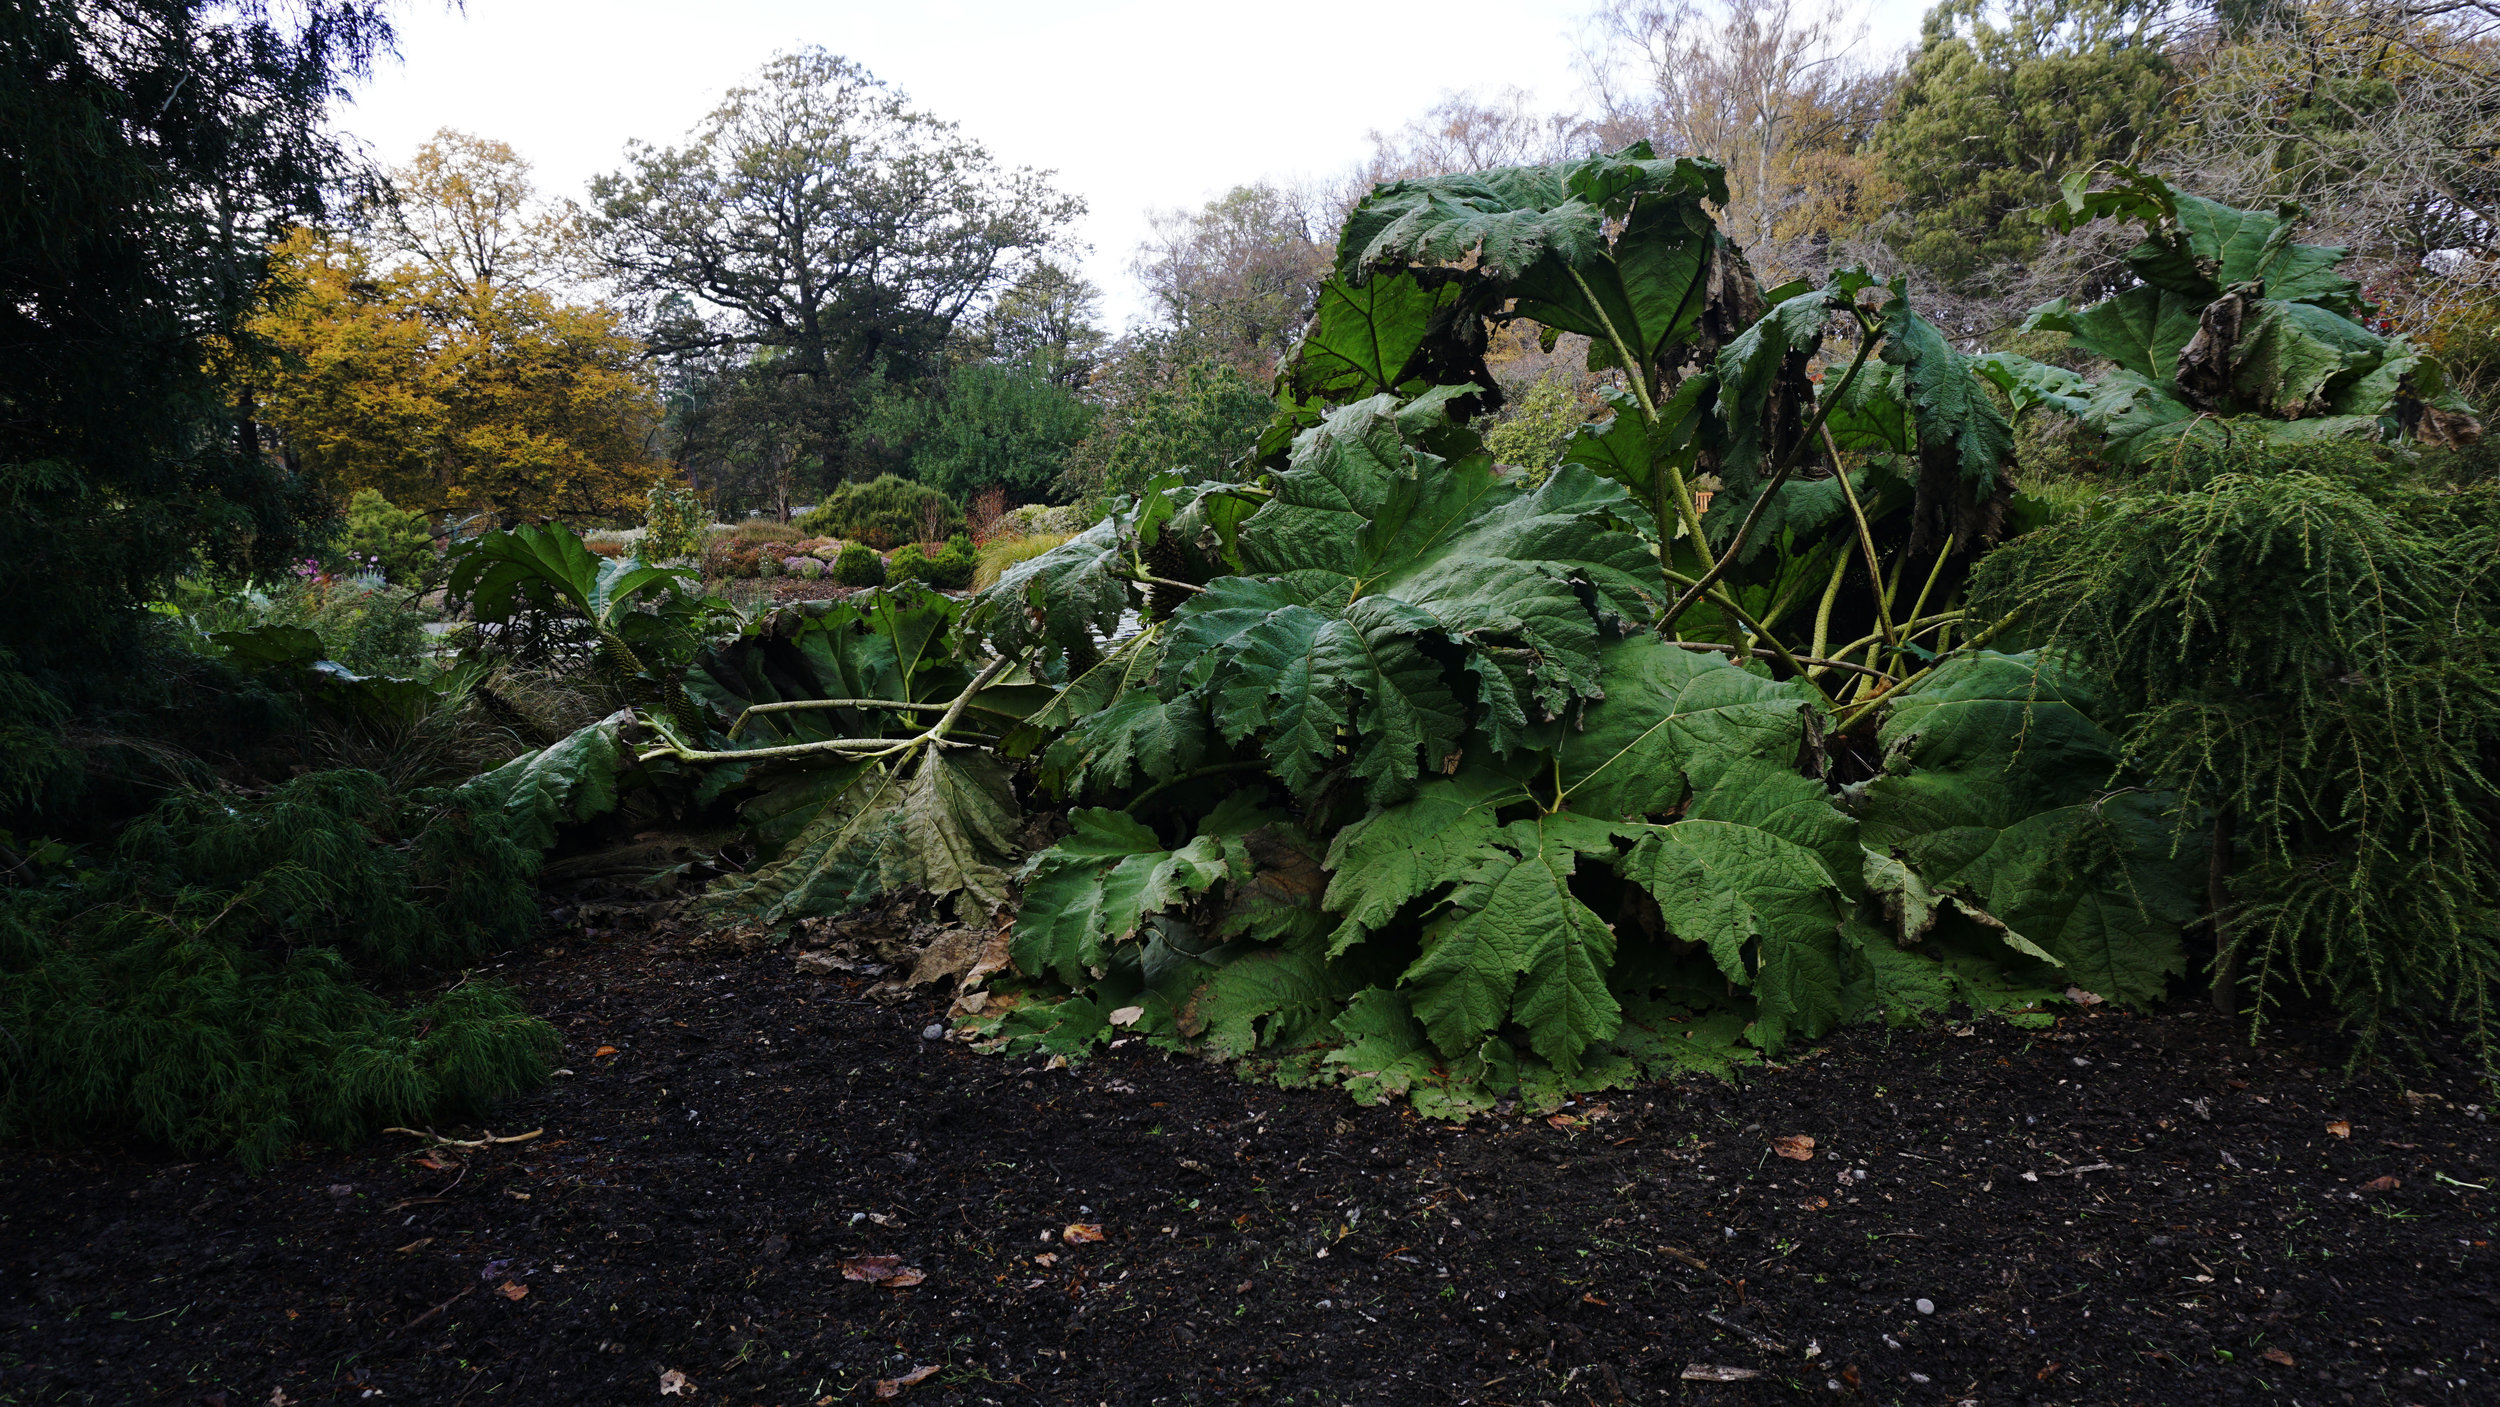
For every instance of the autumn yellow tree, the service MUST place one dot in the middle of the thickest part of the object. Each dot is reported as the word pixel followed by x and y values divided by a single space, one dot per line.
pixel 433 357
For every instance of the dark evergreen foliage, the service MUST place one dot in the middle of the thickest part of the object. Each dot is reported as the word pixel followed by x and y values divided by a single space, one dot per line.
pixel 212 986
pixel 859 566
pixel 948 569
pixel 149 151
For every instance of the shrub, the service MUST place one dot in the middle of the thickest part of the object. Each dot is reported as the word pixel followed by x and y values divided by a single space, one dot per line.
pixel 884 512
pixel 370 630
pixel 806 568
pixel 985 516
pixel 1065 521
pixel 765 530
pixel 396 540
pixel 605 547
pixel 673 522
pixel 213 987
pixel 948 569
pixel 2298 640
pixel 859 566
pixel 1534 430
pixel 767 565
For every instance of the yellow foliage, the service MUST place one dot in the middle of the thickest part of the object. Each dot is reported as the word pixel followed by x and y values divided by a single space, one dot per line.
pixel 449 394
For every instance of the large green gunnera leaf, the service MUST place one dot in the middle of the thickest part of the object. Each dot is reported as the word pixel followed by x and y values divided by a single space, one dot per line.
pixel 1995 795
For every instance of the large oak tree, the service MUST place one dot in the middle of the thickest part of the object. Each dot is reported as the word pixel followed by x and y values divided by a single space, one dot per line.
pixel 816 214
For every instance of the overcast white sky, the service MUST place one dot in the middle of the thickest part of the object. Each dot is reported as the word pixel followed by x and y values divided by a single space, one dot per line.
pixel 1135 105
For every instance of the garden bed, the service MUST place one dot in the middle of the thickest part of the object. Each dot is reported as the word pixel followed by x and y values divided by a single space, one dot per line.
pixel 2122 1209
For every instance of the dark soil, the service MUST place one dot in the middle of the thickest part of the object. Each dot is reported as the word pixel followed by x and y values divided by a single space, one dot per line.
pixel 2123 1210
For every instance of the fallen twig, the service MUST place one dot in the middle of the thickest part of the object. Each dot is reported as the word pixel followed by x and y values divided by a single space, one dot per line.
pixel 467 1143
pixel 1767 1345
pixel 436 1312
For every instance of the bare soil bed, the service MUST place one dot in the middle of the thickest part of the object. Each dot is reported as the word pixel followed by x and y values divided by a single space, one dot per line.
pixel 2127 1209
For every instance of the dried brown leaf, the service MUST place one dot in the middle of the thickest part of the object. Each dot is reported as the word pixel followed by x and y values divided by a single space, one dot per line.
pixel 893 1387
pixel 1799 1146
pixel 877 1270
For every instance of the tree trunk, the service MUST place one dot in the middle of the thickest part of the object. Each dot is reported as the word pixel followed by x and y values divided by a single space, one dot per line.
pixel 246 426
pixel 2217 905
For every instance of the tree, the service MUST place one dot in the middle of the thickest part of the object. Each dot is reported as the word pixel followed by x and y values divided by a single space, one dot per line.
pixel 817 215
pixel 1765 88
pixel 1989 116
pixel 454 396
pixel 150 150
pixel 464 207
pixel 1465 132
pixel 1003 423
pixel 1166 415
pixel 1046 319
pixel 395 541
pixel 1235 279
pixel 2381 120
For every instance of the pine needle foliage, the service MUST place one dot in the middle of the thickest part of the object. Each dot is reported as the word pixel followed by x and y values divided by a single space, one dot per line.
pixel 218 986
pixel 2301 641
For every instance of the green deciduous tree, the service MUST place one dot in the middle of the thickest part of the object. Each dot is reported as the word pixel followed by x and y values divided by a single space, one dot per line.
pixel 817 215
pixel 396 540
pixel 1196 420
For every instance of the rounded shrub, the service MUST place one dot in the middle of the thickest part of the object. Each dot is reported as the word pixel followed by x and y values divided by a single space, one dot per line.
pixel 807 568
pixel 883 512
pixel 950 568
pixel 859 566
pixel 397 542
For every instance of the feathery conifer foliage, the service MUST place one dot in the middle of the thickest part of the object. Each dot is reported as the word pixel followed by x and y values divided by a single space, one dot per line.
pixel 2301 642
pixel 218 984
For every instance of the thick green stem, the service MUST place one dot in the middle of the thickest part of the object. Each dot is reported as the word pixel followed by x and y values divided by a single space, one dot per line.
pixel 1866 542
pixel 1817 663
pixel 863 749
pixel 1727 603
pixel 1787 465
pixel 805 705
pixel 1919 606
pixel 1823 610
pixel 1861 709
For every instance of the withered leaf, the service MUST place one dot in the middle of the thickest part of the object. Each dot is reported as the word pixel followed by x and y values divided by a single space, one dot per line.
pixel 881 1270
pixel 893 1387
